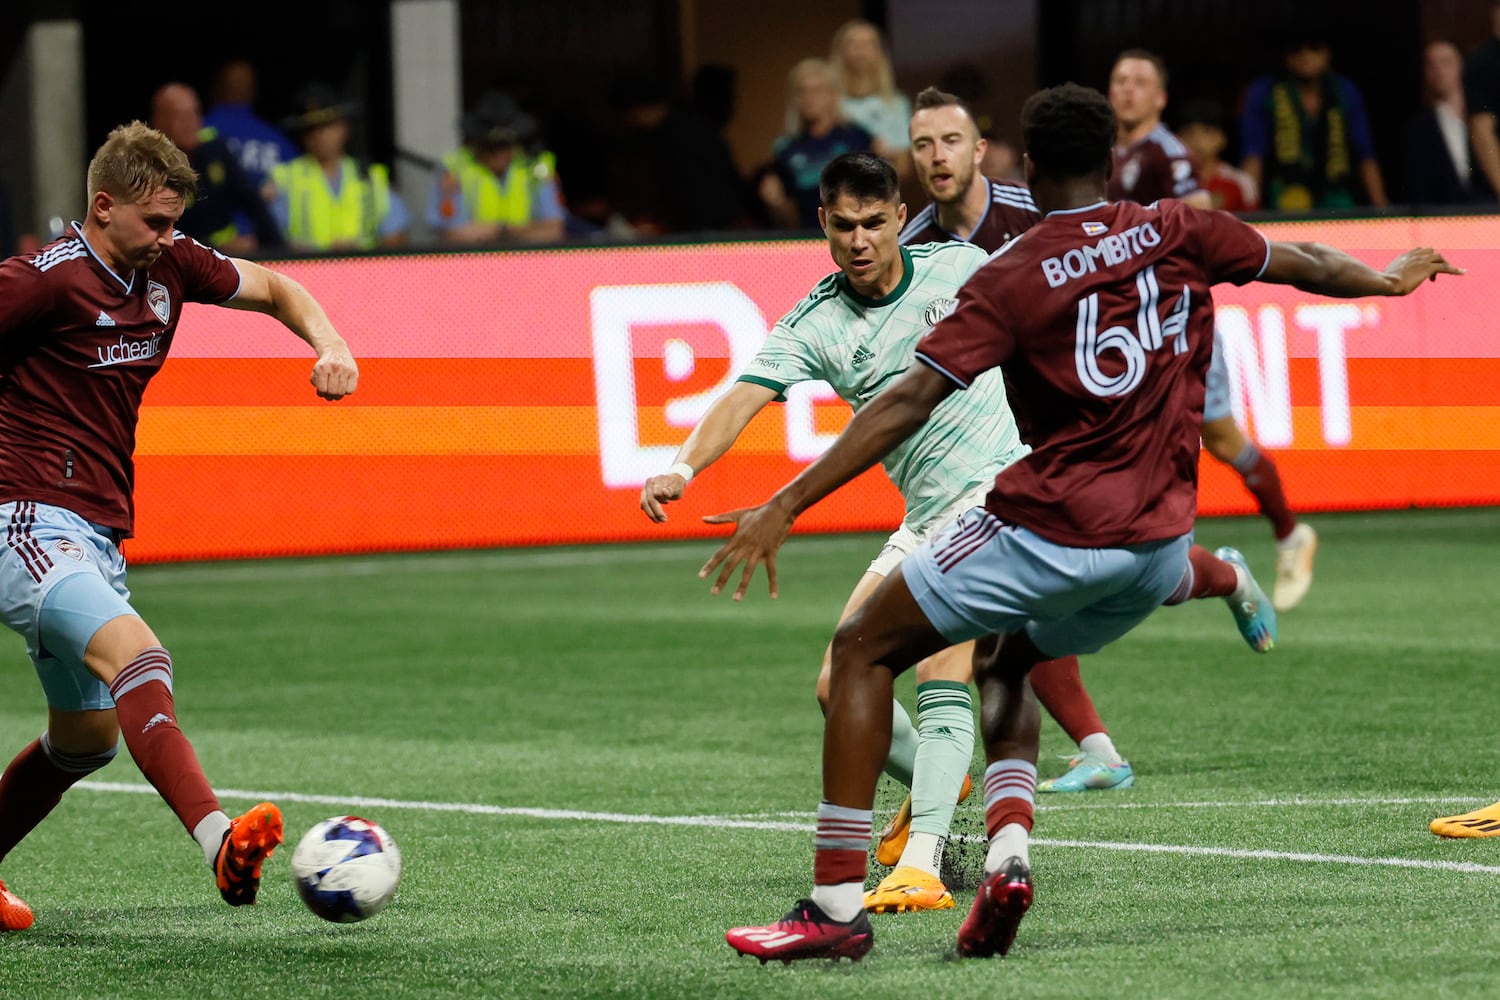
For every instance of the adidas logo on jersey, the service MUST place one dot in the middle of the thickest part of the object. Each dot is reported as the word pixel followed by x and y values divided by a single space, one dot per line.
pixel 105 319
pixel 862 355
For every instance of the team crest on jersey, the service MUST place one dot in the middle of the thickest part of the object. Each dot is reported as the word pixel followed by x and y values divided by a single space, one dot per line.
pixel 159 301
pixel 937 309
pixel 69 549
pixel 1130 173
pixel 1095 228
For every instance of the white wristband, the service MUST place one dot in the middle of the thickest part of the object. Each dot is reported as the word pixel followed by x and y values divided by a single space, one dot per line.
pixel 682 469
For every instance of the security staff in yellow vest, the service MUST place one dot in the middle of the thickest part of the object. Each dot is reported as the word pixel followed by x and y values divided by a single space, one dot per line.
pixel 324 199
pixel 493 189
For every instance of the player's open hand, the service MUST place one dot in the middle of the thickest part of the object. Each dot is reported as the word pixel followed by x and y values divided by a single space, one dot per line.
pixel 758 534
pixel 335 375
pixel 1416 266
pixel 661 490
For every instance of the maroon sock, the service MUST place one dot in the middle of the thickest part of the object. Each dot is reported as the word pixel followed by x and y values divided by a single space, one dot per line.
pixel 34 783
pixel 1264 483
pixel 1060 691
pixel 1009 795
pixel 148 721
pixel 841 844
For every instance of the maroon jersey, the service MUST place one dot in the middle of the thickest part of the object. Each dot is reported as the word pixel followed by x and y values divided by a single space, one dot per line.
pixel 1010 213
pixel 78 344
pixel 1155 166
pixel 1102 320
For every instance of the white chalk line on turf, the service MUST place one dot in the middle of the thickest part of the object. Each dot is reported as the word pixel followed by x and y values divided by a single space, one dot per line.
pixel 1051 805
pixel 726 822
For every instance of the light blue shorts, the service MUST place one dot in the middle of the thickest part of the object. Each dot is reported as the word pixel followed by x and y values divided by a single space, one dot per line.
pixel 1218 402
pixel 983 576
pixel 61 578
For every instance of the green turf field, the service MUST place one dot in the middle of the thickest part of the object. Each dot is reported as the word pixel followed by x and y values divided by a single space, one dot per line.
pixel 594 768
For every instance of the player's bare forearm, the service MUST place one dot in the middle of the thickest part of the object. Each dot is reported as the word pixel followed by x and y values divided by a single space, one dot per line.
pixel 760 531
pixel 875 431
pixel 335 374
pixel 1325 270
pixel 715 434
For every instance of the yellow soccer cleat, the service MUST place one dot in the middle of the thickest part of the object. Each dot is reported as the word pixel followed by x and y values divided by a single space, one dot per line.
pixel 908 890
pixel 893 838
pixel 1479 823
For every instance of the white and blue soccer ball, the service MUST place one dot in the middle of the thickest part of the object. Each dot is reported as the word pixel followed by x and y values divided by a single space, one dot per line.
pixel 346 869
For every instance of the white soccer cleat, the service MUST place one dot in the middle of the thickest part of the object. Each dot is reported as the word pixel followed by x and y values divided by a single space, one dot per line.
pixel 1294 567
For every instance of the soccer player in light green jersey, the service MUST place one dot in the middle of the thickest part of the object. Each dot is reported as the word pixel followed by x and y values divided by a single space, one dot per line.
pixel 857 331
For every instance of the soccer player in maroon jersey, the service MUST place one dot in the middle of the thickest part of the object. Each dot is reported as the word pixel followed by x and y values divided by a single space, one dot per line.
pixel 947 150
pixel 1151 163
pixel 965 204
pixel 85 323
pixel 1101 318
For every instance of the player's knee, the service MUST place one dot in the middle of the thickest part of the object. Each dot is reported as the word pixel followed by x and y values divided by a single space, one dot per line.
pixel 825 684
pixel 79 761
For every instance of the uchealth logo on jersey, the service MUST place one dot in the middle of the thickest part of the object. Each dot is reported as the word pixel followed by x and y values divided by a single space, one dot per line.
pixel 1095 228
pixel 159 301
pixel 937 309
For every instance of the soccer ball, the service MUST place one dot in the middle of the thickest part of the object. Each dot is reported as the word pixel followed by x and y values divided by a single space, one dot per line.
pixel 346 869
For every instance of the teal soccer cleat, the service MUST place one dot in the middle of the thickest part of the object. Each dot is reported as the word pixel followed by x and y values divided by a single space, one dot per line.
pixel 1253 614
pixel 1087 772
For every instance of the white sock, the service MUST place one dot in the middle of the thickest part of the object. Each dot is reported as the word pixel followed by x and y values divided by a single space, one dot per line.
pixel 924 851
pixel 1101 746
pixel 1242 591
pixel 1011 841
pixel 842 902
pixel 209 833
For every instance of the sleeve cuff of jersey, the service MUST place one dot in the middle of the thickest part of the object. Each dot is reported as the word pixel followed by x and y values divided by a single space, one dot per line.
pixel 941 370
pixel 235 294
pixel 778 387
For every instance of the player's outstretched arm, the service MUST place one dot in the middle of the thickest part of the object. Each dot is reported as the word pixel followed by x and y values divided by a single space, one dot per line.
pixel 335 374
pixel 1314 267
pixel 715 434
pixel 890 418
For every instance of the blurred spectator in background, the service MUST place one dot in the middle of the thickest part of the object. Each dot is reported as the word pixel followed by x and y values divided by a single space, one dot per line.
pixel 816 134
pixel 1201 129
pixel 258 145
pixel 1002 160
pixel 867 83
pixel 1150 162
pixel 1482 95
pixel 495 188
pixel 1305 137
pixel 670 169
pixel 229 213
pixel 324 199
pixel 1440 162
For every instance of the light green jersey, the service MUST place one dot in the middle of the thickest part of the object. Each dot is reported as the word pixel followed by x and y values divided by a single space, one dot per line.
pixel 859 345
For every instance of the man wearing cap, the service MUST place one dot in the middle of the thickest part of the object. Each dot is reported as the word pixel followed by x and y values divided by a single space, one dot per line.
pixel 325 199
pixel 493 189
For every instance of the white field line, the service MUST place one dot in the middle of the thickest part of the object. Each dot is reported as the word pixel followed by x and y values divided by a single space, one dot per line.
pixel 726 822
